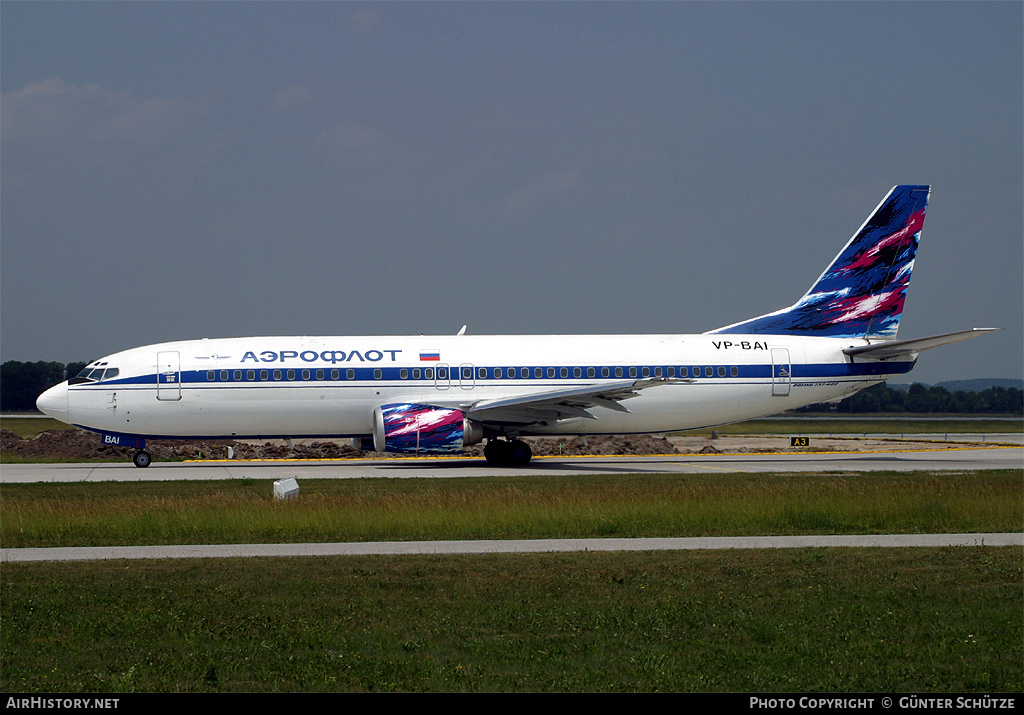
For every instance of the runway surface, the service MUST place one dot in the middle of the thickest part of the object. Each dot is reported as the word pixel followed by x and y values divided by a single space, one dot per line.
pixel 956 459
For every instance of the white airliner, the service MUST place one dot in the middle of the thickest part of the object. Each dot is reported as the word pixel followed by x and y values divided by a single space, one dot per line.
pixel 439 394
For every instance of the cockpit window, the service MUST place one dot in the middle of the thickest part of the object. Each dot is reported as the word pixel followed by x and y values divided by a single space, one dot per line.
pixel 94 373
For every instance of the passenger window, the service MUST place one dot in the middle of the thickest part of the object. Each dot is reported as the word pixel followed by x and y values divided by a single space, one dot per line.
pixel 428 373
pixel 238 375
pixel 350 374
pixel 577 372
pixel 291 374
pixel 403 373
pixel 538 372
pixel 376 373
pixel 224 375
pixel 416 373
pixel 442 373
pixel 709 372
pixel 335 374
pixel 670 372
pixel 618 372
pixel 319 374
pixel 683 371
pixel 657 372
pixel 482 373
pixel 467 373
pixel 591 372
pixel 646 372
pixel 497 372
pixel 211 375
pixel 264 374
pixel 734 371
pixel 721 372
pixel 250 374
pixel 632 372
pixel 605 372
pixel 563 372
pixel 305 374
pixel 551 372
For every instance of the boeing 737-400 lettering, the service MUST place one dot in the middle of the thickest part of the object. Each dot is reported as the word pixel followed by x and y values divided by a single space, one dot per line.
pixel 440 394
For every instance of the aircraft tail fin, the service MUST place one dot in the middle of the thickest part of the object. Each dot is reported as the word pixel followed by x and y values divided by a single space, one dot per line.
pixel 861 293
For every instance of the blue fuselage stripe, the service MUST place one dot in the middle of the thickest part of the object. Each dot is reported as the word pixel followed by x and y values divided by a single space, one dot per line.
pixel 509 375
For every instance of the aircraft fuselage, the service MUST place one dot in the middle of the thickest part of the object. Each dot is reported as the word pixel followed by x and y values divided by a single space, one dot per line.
pixel 330 386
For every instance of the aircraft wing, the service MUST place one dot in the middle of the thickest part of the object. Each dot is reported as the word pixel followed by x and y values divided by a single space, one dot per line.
pixel 898 348
pixel 563 404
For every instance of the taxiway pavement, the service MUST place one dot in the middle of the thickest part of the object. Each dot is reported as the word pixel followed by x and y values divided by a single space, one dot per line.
pixel 517 546
pixel 955 459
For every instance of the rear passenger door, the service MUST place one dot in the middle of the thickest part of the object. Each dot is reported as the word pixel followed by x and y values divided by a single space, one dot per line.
pixel 782 372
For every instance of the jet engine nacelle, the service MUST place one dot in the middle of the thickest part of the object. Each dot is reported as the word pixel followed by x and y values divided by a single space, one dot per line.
pixel 423 429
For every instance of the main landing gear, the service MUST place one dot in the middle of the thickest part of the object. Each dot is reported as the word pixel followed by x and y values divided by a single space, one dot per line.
pixel 505 453
pixel 142 458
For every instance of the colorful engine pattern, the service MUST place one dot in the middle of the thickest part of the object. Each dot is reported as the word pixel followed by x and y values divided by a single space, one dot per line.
pixel 419 429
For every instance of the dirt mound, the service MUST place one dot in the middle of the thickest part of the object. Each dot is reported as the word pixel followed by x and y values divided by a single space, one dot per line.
pixel 60 444
pixel 72 445
pixel 636 444
pixel 75 445
pixel 312 450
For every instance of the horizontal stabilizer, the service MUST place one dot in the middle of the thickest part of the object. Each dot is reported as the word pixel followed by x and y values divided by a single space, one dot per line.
pixel 898 348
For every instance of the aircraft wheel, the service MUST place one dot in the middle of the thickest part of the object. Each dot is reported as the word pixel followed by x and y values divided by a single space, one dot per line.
pixel 496 452
pixel 519 453
pixel 142 459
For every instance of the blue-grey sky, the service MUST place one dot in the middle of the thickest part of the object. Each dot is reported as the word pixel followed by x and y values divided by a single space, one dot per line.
pixel 204 169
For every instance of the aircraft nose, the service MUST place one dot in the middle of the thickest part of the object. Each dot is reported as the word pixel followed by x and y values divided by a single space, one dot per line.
pixel 54 402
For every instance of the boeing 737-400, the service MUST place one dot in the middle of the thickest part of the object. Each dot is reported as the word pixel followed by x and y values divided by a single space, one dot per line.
pixel 440 394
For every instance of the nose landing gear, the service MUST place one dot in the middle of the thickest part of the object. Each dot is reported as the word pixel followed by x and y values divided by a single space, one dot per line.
pixel 142 458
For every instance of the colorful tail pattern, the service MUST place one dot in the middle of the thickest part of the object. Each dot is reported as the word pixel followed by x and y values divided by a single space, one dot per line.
pixel 861 293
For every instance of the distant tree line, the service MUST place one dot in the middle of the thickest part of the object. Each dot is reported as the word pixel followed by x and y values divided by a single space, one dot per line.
pixel 924 399
pixel 22 382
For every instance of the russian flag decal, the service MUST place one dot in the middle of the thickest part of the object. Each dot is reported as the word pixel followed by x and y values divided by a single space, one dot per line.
pixel 430 355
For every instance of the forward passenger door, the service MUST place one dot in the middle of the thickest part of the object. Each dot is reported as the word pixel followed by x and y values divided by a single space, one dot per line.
pixel 168 375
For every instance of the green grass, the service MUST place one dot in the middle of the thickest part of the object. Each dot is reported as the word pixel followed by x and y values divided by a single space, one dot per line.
pixel 807 620
pixel 792 620
pixel 244 511
pixel 27 427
